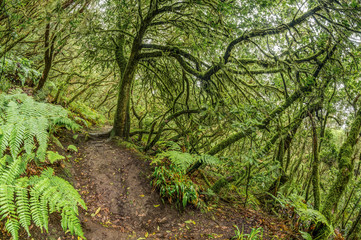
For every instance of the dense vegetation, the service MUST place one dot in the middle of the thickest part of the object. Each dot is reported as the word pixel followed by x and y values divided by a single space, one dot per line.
pixel 254 102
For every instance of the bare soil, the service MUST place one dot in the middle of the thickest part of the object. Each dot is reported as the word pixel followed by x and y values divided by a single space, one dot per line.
pixel 115 184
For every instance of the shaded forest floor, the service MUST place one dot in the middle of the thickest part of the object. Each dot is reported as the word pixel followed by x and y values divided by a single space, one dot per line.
pixel 115 184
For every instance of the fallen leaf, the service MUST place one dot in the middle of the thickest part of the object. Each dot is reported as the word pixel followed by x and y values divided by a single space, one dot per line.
pixel 96 212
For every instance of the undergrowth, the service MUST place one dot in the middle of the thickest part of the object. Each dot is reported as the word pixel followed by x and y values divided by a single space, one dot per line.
pixel 17 70
pixel 255 234
pixel 26 124
pixel 170 177
pixel 25 127
pixel 85 115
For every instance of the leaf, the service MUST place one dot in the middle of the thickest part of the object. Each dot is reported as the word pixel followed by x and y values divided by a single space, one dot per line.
pixel 96 212
pixel 306 235
pixel 54 156
pixel 190 221
pixel 73 148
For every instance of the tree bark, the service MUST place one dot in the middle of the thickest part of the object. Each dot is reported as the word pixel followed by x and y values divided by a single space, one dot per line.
pixel 344 174
pixel 315 164
pixel 48 57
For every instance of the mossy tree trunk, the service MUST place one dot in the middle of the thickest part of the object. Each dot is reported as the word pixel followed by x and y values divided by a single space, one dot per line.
pixel 354 232
pixel 48 56
pixel 122 117
pixel 315 165
pixel 345 166
pixel 121 126
pixel 128 67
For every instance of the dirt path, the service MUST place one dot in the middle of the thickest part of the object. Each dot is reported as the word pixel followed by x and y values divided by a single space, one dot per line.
pixel 115 184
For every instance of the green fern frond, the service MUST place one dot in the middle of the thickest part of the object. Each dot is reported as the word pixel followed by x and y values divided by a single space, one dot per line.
pixel 5 137
pixel 7 204
pixel 25 127
pixel 12 112
pixel 13 171
pixel 16 139
pixel 70 221
pixel 184 160
pixel 35 207
pixel 54 156
pixel 13 226
pixel 23 204
pixel 209 160
pixel 24 120
pixel 180 159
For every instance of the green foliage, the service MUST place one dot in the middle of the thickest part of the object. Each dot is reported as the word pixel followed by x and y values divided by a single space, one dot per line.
pixel 181 160
pixel 25 200
pixel 184 160
pixel 25 123
pixel 19 69
pixel 86 115
pixel 5 85
pixel 171 179
pixel 176 187
pixel 306 235
pixel 25 126
pixel 54 156
pixel 73 148
pixel 255 234
pixel 307 215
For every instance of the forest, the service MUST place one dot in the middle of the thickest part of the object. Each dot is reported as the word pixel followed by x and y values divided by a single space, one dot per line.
pixel 180 119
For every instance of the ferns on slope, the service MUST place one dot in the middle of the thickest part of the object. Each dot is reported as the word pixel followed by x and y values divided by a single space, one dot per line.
pixel 25 126
pixel 24 200
pixel 22 120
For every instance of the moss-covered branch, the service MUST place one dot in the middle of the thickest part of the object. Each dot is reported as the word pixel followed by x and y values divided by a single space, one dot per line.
pixel 303 91
pixel 165 122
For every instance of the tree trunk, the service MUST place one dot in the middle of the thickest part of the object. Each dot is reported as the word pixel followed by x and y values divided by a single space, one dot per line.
pixel 354 233
pixel 48 57
pixel 315 164
pixel 121 119
pixel 121 127
pixel 344 174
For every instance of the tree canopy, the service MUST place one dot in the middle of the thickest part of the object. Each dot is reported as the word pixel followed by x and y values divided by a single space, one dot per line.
pixel 265 95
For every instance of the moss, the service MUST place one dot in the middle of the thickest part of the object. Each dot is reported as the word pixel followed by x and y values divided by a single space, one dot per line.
pixel 343 177
pixel 221 183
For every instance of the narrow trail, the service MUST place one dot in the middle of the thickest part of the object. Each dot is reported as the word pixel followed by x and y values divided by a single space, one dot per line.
pixel 115 185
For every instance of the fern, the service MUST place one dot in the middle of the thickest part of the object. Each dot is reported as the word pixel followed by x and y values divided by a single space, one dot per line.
pixel 208 160
pixel 179 159
pixel 54 156
pixel 25 200
pixel 24 120
pixel 171 180
pixel 184 160
pixel 73 148
pixel 306 214
pixel 25 127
